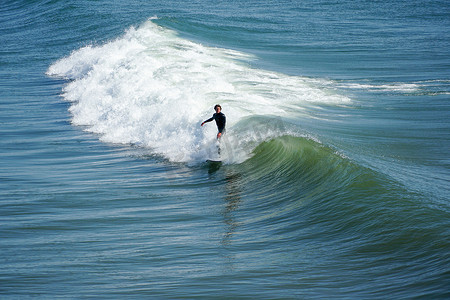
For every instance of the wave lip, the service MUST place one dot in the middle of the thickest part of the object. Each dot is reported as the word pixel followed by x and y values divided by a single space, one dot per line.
pixel 153 88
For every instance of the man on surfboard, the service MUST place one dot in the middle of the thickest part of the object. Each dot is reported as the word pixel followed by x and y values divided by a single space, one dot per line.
pixel 220 120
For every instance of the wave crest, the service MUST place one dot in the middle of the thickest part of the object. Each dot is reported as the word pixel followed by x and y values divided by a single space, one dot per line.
pixel 152 88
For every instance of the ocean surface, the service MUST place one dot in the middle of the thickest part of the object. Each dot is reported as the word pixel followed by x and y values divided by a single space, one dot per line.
pixel 335 173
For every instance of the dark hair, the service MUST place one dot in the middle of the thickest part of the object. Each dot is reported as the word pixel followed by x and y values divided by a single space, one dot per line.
pixel 217 105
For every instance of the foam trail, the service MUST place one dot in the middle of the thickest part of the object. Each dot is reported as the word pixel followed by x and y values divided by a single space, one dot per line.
pixel 152 88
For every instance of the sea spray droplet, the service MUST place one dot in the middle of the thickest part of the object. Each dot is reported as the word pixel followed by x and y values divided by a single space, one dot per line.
pixel 152 88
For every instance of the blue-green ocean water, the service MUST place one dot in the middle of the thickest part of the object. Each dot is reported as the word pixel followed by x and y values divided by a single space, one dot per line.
pixel 335 174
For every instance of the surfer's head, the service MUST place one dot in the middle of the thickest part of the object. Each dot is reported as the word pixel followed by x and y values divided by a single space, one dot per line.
pixel 217 108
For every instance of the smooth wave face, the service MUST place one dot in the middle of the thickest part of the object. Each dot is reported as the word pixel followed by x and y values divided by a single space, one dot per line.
pixel 303 201
pixel 152 88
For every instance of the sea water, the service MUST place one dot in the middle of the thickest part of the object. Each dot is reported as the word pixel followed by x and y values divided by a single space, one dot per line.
pixel 334 179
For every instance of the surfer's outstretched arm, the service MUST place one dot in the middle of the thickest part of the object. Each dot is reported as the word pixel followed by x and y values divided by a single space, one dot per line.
pixel 209 120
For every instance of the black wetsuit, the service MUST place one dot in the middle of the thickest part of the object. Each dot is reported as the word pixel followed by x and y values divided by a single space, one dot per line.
pixel 220 121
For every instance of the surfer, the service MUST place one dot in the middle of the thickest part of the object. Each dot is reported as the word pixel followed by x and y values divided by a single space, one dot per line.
pixel 220 120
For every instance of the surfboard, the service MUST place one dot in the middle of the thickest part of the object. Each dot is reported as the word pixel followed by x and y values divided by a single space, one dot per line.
pixel 213 161
pixel 213 165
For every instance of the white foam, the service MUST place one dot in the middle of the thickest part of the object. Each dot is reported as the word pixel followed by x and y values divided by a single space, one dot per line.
pixel 391 87
pixel 152 88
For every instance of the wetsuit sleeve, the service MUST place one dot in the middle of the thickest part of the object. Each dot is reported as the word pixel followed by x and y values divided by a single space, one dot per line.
pixel 209 120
